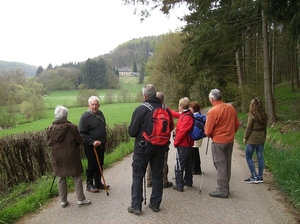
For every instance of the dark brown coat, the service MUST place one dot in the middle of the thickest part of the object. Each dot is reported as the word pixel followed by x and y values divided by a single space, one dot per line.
pixel 63 138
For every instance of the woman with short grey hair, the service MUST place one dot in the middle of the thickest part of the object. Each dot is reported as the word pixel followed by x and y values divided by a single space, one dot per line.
pixel 64 140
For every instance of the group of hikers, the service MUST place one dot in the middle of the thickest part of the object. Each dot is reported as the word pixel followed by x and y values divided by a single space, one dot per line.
pixel 150 154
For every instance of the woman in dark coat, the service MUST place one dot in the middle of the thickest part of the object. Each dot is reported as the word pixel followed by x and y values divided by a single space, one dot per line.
pixel 64 139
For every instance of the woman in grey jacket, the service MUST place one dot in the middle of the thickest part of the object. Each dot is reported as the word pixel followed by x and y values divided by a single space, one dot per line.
pixel 254 138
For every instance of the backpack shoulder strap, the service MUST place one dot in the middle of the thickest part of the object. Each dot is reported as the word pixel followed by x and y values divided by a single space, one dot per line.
pixel 148 105
pixel 188 114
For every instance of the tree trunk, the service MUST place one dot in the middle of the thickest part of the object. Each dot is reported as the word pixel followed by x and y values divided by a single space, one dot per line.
pixel 270 109
pixel 297 67
pixel 240 79
pixel 273 58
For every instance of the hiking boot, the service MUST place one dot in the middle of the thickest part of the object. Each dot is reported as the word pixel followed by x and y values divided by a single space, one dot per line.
pixel 260 180
pixel 177 189
pixel 197 172
pixel 89 185
pixel 135 211
pixel 91 188
pixel 83 203
pixel 252 180
pixel 218 194
pixel 102 187
pixel 155 209
pixel 188 185
pixel 168 184
pixel 64 204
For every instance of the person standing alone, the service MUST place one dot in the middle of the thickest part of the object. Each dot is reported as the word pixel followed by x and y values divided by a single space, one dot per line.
pixel 254 138
pixel 221 125
pixel 92 127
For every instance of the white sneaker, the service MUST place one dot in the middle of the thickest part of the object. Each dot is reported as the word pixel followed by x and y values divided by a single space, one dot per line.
pixel 64 204
pixel 84 203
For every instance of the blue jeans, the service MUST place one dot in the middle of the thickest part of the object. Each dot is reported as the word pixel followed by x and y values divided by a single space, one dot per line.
pixel 259 153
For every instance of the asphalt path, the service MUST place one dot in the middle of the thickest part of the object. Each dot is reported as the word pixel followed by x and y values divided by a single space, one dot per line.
pixel 247 203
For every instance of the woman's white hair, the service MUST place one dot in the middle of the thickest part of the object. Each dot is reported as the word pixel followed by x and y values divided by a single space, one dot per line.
pixel 61 112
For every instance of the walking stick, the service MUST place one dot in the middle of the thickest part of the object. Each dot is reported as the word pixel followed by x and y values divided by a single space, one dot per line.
pixel 101 171
pixel 204 166
pixel 145 191
pixel 52 185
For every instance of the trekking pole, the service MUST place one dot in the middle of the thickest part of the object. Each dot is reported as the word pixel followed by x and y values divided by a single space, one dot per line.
pixel 101 170
pixel 178 170
pixel 145 191
pixel 52 184
pixel 178 162
pixel 204 166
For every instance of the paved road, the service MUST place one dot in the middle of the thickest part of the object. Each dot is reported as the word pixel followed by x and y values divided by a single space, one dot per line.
pixel 247 203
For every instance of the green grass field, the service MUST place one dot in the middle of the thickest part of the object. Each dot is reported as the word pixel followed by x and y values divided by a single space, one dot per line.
pixel 114 113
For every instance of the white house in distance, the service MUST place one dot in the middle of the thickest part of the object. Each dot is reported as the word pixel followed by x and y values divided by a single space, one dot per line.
pixel 126 72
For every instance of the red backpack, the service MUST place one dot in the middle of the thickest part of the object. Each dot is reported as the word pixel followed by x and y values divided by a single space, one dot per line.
pixel 162 123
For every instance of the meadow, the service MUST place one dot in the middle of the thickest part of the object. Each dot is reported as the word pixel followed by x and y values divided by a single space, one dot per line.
pixel 115 113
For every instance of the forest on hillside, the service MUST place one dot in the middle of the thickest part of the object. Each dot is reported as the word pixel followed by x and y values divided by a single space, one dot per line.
pixel 242 47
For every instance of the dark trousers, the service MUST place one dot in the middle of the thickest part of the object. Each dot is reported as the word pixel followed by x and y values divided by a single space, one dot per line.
pixel 196 159
pixel 185 166
pixel 93 166
pixel 139 165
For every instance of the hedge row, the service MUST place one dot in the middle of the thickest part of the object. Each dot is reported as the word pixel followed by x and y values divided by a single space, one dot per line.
pixel 25 157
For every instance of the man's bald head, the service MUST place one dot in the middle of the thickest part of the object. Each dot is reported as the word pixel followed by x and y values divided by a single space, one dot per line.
pixel 160 95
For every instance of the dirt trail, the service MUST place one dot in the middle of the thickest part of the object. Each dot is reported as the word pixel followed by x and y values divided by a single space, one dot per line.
pixel 247 203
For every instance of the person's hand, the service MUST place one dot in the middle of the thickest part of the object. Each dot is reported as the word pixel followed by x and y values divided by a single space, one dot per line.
pixel 245 141
pixel 97 143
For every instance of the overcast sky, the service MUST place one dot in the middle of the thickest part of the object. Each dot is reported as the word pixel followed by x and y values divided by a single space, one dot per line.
pixel 39 32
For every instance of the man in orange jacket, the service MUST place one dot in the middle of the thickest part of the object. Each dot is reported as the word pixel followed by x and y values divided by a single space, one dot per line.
pixel 221 125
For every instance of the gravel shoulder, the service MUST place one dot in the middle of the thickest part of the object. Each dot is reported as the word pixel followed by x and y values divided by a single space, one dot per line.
pixel 247 203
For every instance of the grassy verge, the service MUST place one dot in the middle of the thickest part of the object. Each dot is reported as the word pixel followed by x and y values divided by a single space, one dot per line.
pixel 281 151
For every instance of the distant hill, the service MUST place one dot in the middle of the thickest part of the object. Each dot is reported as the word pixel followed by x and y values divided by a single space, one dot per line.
pixel 135 51
pixel 30 70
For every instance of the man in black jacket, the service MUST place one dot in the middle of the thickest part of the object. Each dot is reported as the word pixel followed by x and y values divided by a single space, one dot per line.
pixel 92 127
pixel 145 152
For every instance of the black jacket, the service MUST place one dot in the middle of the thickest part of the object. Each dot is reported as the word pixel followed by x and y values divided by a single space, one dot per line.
pixel 139 123
pixel 92 127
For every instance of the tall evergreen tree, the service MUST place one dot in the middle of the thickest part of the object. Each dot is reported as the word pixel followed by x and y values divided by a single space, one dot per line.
pixel 134 67
pixel 39 71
